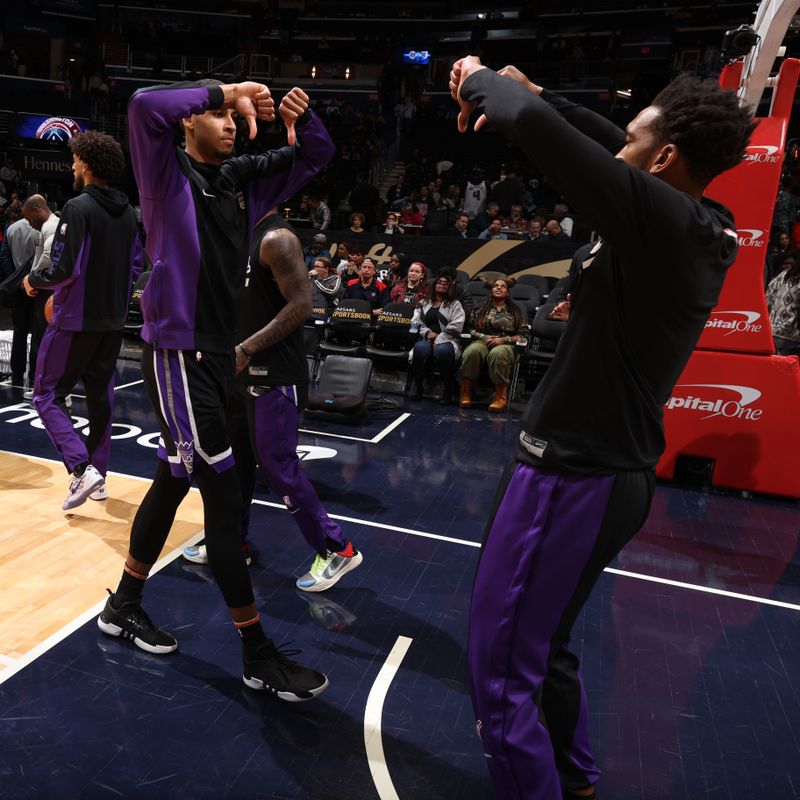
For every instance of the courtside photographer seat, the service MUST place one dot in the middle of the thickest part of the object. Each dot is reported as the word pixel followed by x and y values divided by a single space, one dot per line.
pixel 341 395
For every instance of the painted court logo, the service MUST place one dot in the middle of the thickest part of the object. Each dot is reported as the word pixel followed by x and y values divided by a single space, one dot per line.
pixel 762 154
pixel 717 400
pixel 735 321
pixel 750 237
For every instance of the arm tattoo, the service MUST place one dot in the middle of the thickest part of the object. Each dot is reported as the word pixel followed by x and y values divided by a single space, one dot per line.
pixel 280 251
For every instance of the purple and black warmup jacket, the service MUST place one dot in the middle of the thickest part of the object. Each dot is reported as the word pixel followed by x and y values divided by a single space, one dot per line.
pixel 198 217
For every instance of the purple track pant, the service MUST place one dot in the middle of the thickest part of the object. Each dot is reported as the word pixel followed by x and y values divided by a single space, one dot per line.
pixel 273 418
pixel 550 538
pixel 64 358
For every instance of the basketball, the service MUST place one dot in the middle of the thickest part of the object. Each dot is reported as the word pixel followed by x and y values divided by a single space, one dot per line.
pixel 48 309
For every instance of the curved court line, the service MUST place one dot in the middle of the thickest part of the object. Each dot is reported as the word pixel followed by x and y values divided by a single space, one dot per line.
pixel 88 615
pixel 373 740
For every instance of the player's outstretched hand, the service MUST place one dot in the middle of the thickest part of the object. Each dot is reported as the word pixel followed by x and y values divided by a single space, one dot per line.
pixel 461 70
pixel 292 107
pixel 254 101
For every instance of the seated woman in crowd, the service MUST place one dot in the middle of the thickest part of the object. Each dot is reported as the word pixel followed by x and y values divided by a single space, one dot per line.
pixel 411 219
pixel 396 270
pixel 783 301
pixel 497 326
pixel 357 220
pixel 440 321
pixel 415 288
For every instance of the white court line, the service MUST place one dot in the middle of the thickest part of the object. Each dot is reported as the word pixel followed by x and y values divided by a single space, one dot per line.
pixel 382 525
pixel 624 573
pixel 372 720
pixel 86 616
pixel 57 637
pixel 116 388
pixel 374 440
pixel 708 589
pixel 7 660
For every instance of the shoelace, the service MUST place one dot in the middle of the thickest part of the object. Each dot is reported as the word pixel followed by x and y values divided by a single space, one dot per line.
pixel 320 562
pixel 281 655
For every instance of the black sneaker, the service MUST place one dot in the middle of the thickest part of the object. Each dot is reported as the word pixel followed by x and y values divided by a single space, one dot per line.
pixel 272 671
pixel 131 622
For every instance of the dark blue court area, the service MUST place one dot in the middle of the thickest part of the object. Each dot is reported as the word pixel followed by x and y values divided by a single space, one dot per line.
pixel 693 693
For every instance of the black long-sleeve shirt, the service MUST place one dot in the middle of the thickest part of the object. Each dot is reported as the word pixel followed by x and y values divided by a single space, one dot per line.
pixel 644 294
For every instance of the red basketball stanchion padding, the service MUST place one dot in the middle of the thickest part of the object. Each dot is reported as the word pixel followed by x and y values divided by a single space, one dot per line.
pixel 738 410
pixel 735 402
pixel 739 323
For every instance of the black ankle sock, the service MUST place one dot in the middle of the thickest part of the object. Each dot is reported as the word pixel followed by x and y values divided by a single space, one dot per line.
pixel 80 469
pixel 129 590
pixel 334 546
pixel 253 637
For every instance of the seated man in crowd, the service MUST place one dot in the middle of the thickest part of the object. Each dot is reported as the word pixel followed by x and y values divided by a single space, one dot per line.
pixel 555 232
pixel 515 221
pixel 481 222
pixel 326 285
pixel 460 227
pixel 367 287
pixel 535 232
pixel 494 231
pixel 315 249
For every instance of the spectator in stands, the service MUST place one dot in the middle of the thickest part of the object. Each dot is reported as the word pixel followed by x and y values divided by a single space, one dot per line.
pixel 494 231
pixel 315 249
pixel 391 226
pixel 453 199
pixel 475 194
pixel 783 301
pixel 508 190
pixel 396 195
pixel 364 197
pixel 776 252
pixel 561 213
pixel 481 221
pixel 440 321
pixel 19 187
pixel 515 221
pixel 326 285
pixel 554 231
pixel 411 219
pixel 357 220
pixel 784 214
pixel 423 200
pixel 7 173
pixel 320 212
pixel 367 287
pixel 342 257
pixel 460 226
pixel 498 325
pixel 535 233
pixel 352 268
pixel 396 271
pixel 414 288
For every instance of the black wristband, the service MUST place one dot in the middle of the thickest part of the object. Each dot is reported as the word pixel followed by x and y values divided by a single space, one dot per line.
pixel 241 347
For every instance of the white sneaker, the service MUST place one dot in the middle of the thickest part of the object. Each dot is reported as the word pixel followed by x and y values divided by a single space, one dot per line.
pixel 81 486
pixel 28 394
pixel 68 404
pixel 196 553
pixel 99 493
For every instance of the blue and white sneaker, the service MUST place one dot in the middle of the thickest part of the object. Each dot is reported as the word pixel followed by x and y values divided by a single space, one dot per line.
pixel 327 570
pixel 196 553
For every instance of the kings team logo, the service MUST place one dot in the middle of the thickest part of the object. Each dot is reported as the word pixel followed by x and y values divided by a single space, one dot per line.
pixel 58 129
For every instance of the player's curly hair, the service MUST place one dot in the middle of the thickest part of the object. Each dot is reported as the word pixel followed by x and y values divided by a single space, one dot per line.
pixel 707 124
pixel 100 152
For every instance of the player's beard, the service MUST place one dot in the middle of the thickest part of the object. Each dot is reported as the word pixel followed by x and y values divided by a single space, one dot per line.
pixel 77 183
